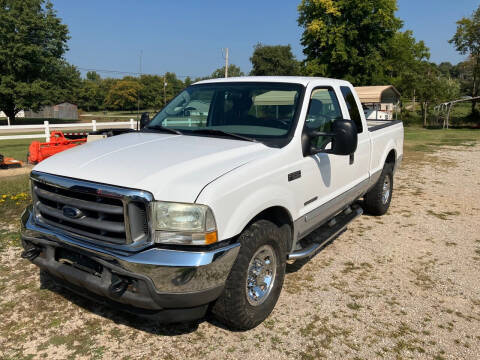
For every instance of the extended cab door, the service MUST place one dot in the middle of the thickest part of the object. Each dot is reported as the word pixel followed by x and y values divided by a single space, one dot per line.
pixel 333 181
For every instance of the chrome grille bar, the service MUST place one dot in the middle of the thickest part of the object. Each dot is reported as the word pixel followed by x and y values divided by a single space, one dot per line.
pixel 108 215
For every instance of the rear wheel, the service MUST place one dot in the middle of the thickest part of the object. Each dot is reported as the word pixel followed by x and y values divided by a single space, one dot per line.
pixel 377 200
pixel 256 279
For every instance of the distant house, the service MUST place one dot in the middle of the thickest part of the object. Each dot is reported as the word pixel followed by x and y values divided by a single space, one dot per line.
pixel 65 111
pixel 20 114
pixel 379 102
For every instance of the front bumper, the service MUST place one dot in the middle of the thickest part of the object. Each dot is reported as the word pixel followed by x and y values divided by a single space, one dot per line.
pixel 158 279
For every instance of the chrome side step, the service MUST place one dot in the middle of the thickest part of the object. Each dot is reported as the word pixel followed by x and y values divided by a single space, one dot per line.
pixel 329 233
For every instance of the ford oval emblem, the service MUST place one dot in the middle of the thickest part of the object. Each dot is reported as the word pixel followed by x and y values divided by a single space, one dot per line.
pixel 71 212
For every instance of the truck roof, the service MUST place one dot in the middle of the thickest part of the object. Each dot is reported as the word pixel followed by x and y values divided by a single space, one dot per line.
pixel 303 80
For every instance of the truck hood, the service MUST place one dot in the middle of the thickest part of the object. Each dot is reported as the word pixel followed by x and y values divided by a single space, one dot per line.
pixel 171 167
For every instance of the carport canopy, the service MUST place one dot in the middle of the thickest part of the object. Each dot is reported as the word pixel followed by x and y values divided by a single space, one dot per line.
pixel 378 94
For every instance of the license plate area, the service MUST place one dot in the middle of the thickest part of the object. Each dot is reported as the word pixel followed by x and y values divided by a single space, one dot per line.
pixel 78 261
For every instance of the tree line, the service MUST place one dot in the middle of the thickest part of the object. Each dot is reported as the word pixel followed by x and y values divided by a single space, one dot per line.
pixel 358 40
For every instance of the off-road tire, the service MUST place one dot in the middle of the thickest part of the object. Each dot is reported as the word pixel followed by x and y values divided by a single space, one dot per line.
pixel 373 202
pixel 233 308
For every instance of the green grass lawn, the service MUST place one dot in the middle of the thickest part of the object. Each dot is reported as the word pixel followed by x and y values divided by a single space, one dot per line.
pixel 427 140
pixel 16 148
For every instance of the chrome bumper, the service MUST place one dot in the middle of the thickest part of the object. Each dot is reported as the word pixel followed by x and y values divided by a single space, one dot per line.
pixel 172 279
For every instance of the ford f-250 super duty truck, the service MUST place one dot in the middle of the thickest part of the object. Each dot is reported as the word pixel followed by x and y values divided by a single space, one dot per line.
pixel 203 207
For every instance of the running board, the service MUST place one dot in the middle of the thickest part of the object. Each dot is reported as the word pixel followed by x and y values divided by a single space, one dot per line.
pixel 329 232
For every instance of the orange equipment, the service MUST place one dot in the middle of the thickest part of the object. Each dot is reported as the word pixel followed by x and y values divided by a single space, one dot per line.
pixel 9 163
pixel 58 142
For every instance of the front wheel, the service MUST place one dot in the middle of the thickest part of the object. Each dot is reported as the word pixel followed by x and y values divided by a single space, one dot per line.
pixel 256 279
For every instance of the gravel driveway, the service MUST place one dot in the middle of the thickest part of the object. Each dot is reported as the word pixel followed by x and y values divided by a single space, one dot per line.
pixel 405 285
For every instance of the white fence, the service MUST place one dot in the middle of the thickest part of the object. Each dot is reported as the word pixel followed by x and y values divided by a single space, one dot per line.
pixel 47 127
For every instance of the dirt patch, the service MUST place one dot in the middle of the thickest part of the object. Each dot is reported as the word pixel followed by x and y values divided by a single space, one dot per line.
pixel 400 286
pixel 26 169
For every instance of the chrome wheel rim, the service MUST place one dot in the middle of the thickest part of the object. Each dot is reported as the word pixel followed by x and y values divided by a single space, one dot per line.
pixel 386 190
pixel 261 275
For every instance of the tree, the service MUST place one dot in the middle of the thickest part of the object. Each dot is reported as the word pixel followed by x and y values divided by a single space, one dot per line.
pixel 431 87
pixel 233 71
pixel 404 55
pixel 188 81
pixel 93 76
pixel 467 41
pixel 447 69
pixel 174 86
pixel 32 43
pixel 274 60
pixel 347 39
pixel 123 95
pixel 151 95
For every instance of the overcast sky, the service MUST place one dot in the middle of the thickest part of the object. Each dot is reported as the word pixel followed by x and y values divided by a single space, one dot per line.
pixel 187 37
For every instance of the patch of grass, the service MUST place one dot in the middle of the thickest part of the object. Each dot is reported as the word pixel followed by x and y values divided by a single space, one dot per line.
pixel 8 239
pixel 421 139
pixel 14 197
pixel 443 215
pixel 354 306
pixel 17 149
pixel 420 142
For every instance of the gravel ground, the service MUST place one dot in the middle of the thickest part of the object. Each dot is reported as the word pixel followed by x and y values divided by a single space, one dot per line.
pixel 400 286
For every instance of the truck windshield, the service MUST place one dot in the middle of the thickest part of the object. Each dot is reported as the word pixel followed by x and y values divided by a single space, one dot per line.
pixel 265 112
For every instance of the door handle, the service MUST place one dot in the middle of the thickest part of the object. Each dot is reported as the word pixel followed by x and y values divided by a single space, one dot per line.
pixel 352 158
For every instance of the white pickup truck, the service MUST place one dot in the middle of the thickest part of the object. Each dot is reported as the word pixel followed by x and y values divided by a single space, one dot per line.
pixel 203 207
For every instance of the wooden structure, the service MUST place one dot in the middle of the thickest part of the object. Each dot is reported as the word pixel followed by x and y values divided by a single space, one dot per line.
pixel 385 98
pixel 64 111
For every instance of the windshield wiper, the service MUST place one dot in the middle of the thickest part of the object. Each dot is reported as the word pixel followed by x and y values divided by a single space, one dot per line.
pixel 224 133
pixel 163 128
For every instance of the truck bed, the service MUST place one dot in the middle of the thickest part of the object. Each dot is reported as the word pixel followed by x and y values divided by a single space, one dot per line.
pixel 374 125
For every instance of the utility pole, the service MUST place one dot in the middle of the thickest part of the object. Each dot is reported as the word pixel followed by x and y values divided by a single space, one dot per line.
pixel 226 62
pixel 164 90
pixel 140 75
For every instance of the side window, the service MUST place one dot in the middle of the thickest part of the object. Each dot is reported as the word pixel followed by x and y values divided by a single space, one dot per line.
pixel 323 110
pixel 352 107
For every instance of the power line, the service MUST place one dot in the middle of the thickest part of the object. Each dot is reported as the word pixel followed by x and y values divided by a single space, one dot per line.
pixel 108 71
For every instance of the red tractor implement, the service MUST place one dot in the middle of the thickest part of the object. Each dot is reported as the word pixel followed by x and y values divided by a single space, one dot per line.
pixel 9 163
pixel 39 151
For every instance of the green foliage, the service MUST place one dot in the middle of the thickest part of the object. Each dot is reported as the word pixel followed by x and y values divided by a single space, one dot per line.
pixel 274 60
pixel 33 72
pixel 404 55
pixel 467 41
pixel 467 36
pixel 123 95
pixel 91 95
pixel 174 86
pixel 93 76
pixel 233 71
pixel 151 95
pixel 348 39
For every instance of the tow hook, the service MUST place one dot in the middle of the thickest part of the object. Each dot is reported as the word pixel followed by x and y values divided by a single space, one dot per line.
pixel 31 253
pixel 118 286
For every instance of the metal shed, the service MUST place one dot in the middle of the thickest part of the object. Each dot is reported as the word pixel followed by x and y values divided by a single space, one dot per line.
pixel 379 102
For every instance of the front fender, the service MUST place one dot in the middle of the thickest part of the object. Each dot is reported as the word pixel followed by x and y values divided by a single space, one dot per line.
pixel 234 211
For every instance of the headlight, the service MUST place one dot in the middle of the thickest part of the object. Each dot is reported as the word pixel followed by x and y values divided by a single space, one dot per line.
pixel 186 224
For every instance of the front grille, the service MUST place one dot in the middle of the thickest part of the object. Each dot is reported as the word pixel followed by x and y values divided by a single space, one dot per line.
pixel 101 213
